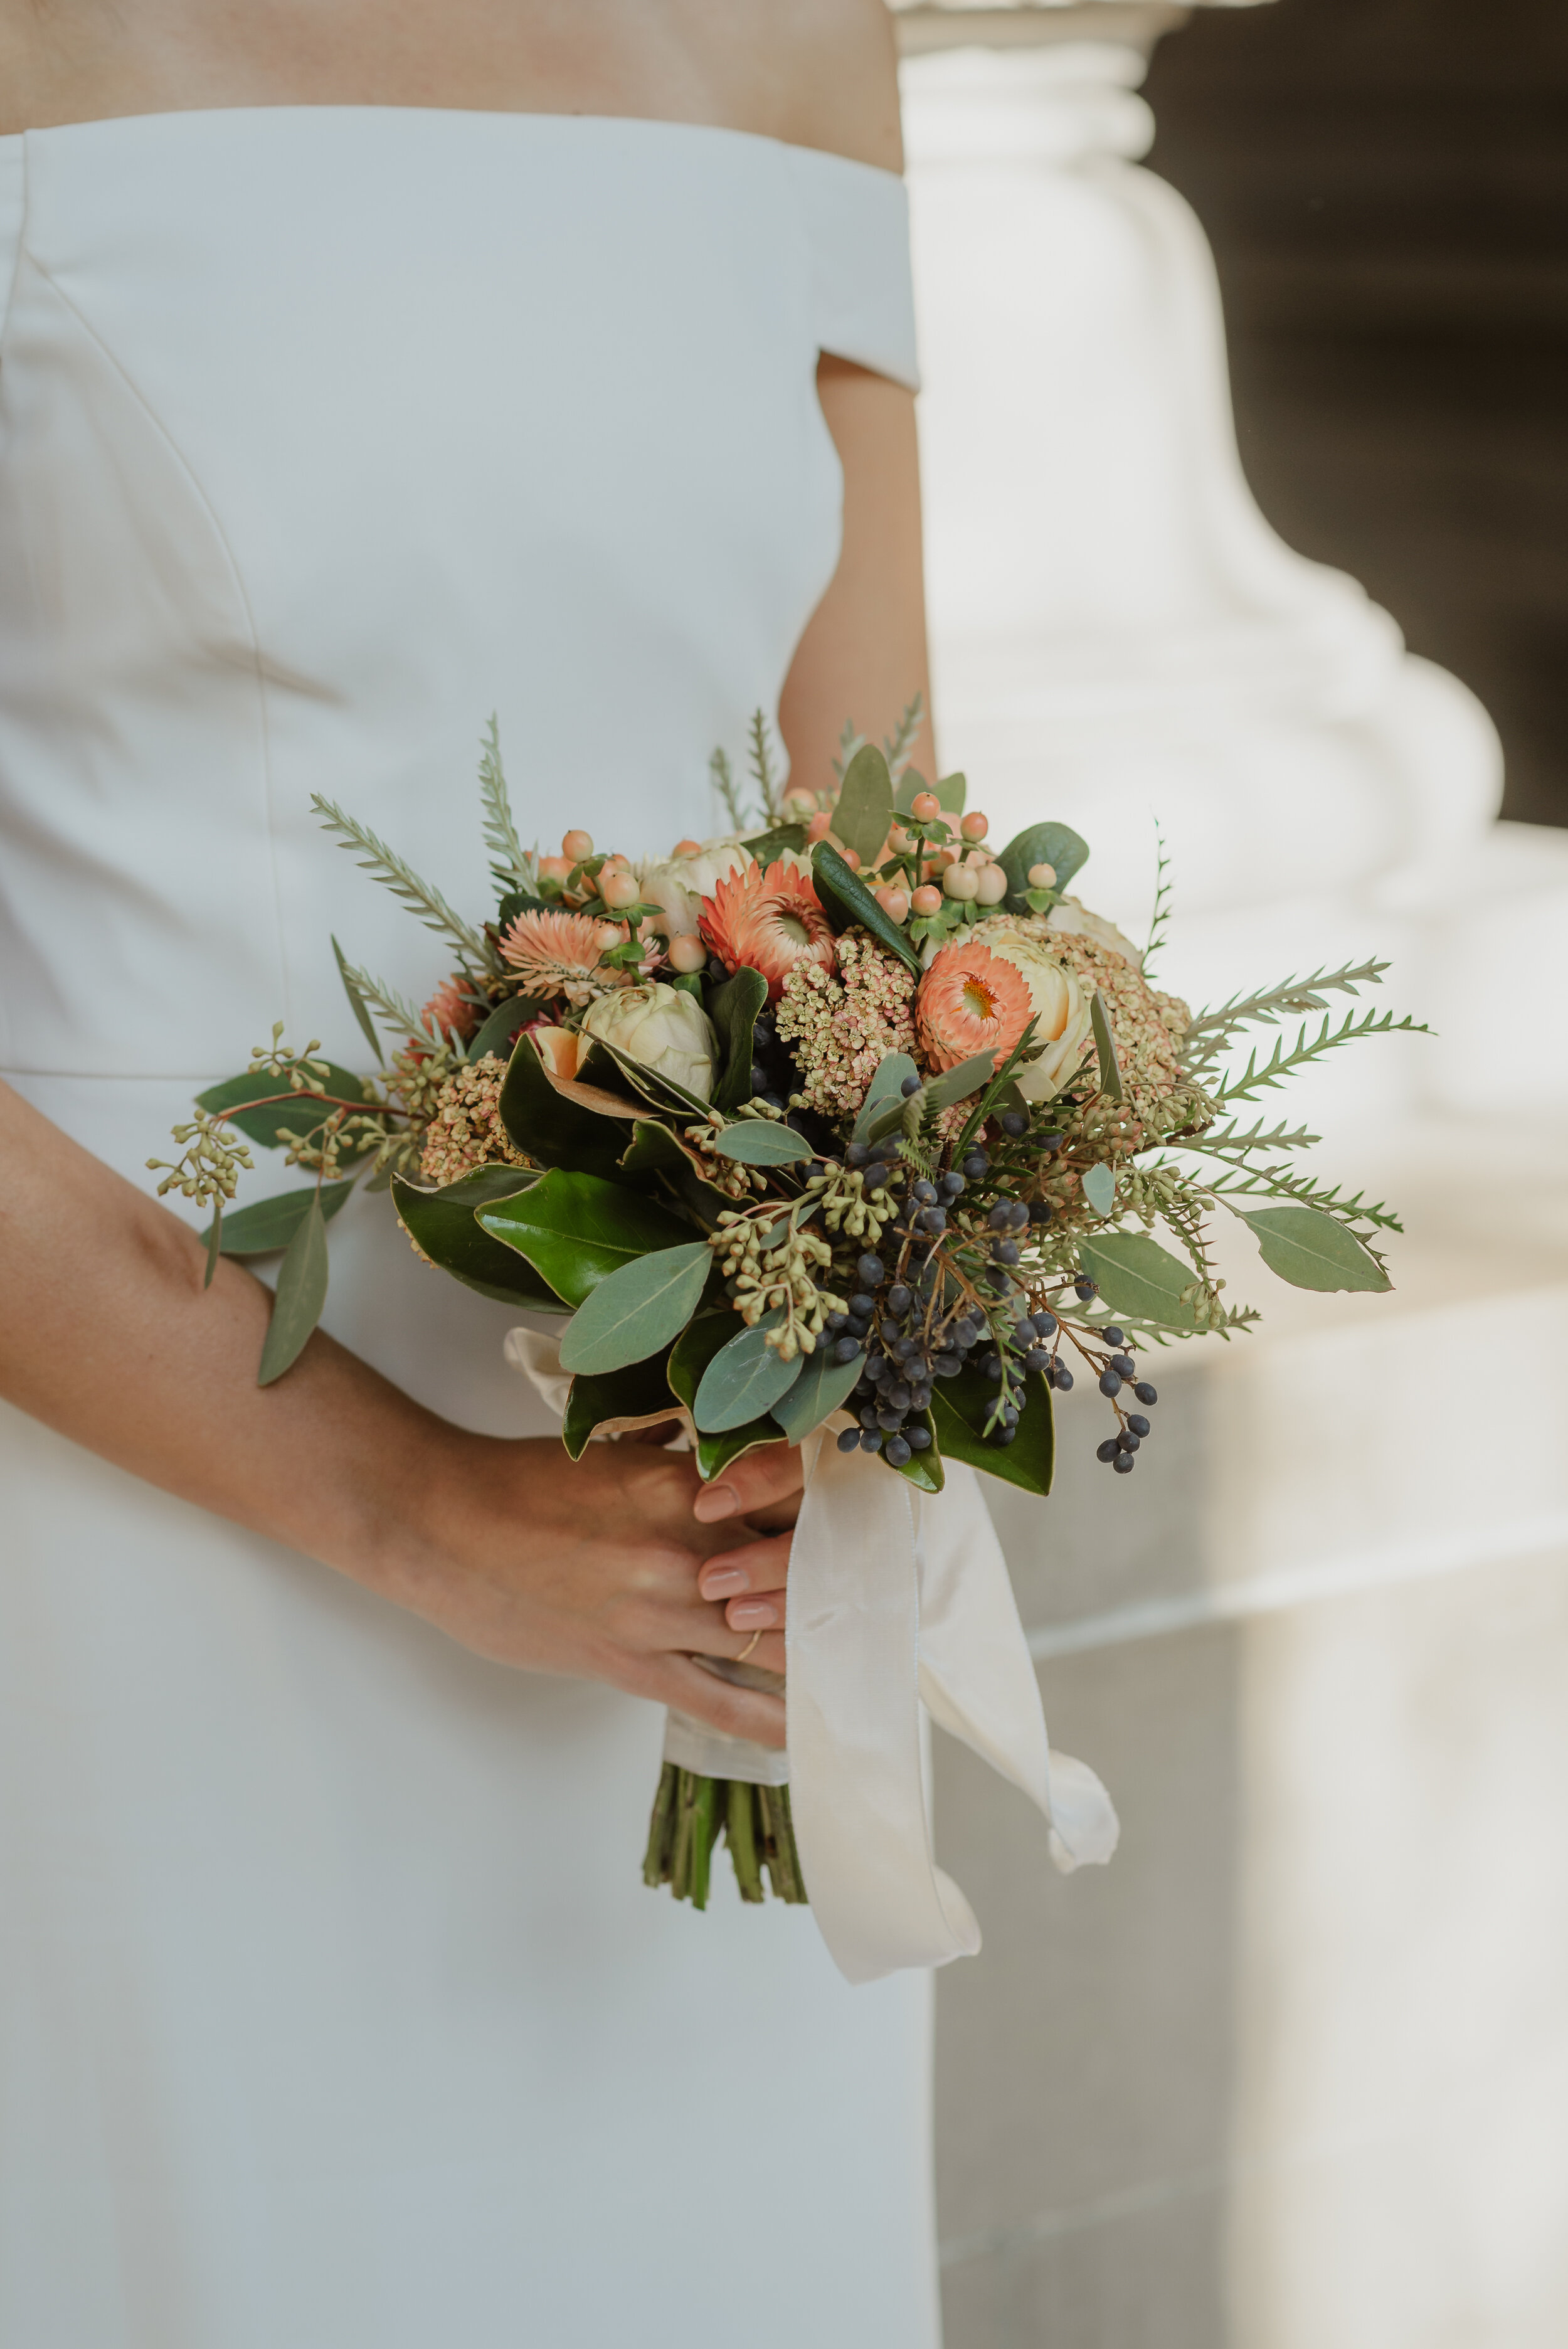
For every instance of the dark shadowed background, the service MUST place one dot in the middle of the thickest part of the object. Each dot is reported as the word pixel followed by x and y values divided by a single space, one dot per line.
pixel 1385 184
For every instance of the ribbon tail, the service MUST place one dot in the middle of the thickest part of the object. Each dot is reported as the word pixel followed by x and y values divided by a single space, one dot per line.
pixel 978 1677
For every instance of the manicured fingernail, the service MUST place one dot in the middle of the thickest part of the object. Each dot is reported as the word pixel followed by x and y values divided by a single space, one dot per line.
pixel 751 1615
pixel 724 1583
pixel 716 1501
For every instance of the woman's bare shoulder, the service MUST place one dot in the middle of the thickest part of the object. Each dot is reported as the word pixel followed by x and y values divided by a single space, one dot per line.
pixel 821 73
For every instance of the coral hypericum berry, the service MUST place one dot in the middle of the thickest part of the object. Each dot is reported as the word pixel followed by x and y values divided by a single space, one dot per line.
pixel 970 1001
pixel 768 919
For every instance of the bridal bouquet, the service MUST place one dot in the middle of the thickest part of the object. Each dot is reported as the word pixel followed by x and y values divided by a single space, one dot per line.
pixel 846 1117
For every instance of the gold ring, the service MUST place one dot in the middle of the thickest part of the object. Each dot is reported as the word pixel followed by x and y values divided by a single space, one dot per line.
pixel 749 1645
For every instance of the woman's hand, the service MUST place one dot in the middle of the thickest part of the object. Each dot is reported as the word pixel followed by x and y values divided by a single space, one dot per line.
pixel 597 1569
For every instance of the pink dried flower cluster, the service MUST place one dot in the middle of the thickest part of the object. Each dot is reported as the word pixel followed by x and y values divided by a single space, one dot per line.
pixel 465 1129
pixel 841 1028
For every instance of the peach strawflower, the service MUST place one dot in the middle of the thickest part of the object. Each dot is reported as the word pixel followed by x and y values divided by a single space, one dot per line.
pixel 558 954
pixel 769 919
pixel 969 1001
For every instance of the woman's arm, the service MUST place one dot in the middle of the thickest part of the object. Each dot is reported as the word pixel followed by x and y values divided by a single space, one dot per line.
pixel 108 1335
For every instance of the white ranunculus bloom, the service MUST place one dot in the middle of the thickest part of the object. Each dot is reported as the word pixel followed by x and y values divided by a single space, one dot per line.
pixel 1072 917
pixel 1060 1007
pixel 662 1028
pixel 677 884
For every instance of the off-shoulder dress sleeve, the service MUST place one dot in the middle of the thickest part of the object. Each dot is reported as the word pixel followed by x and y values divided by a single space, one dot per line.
pixel 857 222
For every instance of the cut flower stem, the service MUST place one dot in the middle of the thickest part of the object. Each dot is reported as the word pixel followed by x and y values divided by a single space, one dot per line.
pixel 690 1813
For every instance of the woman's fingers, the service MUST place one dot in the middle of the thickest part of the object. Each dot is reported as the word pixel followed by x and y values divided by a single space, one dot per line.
pixel 767 1479
pixel 733 1576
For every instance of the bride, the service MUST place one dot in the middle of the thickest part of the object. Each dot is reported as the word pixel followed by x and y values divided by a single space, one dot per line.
pixel 368 366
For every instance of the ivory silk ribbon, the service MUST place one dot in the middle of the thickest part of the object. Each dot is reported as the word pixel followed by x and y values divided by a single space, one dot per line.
pixel 896 1599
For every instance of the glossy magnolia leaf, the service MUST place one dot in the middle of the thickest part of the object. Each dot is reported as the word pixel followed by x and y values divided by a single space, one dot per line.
pixel 1043 844
pixel 549 1127
pixel 845 900
pixel 661 1092
pixel 818 1393
pixel 654 1150
pixel 689 1358
pixel 745 1379
pixel 1100 1187
pixel 756 1141
pixel 357 1004
pixel 885 1090
pixel 268 1225
pixel 734 1009
pixel 637 1396
pixel 300 1294
pixel 864 809
pixel 576 1230
pixel 1136 1276
pixel 638 1310
pixel 958 1411
pixel 1312 1250
pixel 767 846
pixel 295 1110
pixel 1105 1045
pixel 499 1033
pixel 443 1223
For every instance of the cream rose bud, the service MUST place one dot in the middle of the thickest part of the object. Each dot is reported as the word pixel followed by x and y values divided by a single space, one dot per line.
pixel 677 884
pixel 662 1028
pixel 1060 1007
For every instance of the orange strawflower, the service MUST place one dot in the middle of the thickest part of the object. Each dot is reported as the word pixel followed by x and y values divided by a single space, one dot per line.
pixel 970 1001
pixel 769 919
pixel 558 954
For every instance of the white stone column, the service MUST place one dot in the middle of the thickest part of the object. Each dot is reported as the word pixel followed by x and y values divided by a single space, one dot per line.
pixel 1116 632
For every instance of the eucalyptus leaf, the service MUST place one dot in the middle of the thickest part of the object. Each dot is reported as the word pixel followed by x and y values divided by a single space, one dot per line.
pixel 864 810
pixel 443 1223
pixel 734 1008
pixel 758 1141
pixel 1100 1187
pixel 637 1309
pixel 300 1294
pixel 958 1412
pixel 1136 1276
pixel 576 1230
pixel 886 1087
pixel 951 794
pixel 1104 1045
pixel 282 1108
pixel 268 1225
pixel 357 1004
pixel 956 1084
pixel 745 1379
pixel 818 1393
pixel 845 900
pixel 1312 1250
pixel 1042 843
pixel 704 1338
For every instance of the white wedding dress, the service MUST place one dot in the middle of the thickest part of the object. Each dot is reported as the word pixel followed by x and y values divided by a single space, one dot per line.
pixel 334 2013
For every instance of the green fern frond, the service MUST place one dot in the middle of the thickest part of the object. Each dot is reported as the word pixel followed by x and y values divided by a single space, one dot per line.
pixel 401 879
pixel 759 757
pixel 722 775
pixel 850 741
pixel 1213 1031
pixel 1285 1183
pixel 1282 1064
pixel 1159 918
pixel 403 1017
pixel 898 747
pixel 514 866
